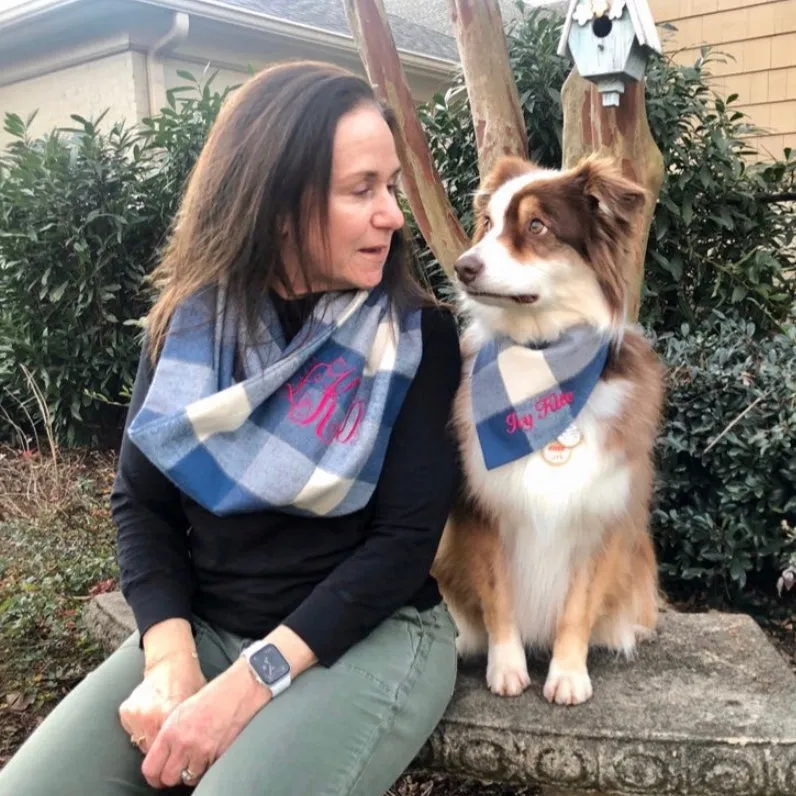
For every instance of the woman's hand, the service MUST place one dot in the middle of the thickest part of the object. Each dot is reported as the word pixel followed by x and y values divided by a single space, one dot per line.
pixel 200 729
pixel 166 684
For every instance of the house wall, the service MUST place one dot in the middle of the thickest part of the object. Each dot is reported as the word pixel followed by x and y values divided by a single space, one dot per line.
pixel 233 65
pixel 116 82
pixel 119 82
pixel 760 35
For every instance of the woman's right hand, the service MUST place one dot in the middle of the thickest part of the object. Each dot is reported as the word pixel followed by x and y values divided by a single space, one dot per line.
pixel 171 675
pixel 167 683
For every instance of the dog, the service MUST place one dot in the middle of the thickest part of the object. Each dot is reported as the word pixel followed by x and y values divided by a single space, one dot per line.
pixel 547 546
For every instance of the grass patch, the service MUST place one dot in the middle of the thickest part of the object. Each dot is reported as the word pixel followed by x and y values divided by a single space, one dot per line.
pixel 56 550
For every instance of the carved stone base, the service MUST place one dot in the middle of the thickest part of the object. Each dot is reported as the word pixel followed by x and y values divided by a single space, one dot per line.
pixel 559 792
pixel 707 709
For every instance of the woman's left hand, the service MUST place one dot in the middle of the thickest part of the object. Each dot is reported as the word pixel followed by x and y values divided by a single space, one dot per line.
pixel 201 728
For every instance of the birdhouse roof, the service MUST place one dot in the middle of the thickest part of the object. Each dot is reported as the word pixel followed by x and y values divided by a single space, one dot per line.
pixel 582 12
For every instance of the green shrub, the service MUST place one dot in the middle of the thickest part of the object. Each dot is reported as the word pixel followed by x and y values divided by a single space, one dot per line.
pixel 174 138
pixel 82 215
pixel 714 242
pixel 726 492
pixel 75 243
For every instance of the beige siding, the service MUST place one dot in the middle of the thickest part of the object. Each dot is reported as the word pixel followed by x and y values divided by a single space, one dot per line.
pixel 760 37
pixel 86 89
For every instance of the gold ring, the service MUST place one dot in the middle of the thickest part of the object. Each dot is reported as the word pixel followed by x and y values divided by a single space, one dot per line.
pixel 186 775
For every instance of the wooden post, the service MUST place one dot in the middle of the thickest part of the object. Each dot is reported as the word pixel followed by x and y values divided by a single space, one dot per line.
pixel 624 134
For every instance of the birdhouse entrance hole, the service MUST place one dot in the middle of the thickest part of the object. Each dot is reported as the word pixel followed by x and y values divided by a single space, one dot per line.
pixel 602 27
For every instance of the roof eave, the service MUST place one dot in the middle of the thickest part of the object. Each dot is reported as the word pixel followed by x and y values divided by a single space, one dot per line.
pixel 248 18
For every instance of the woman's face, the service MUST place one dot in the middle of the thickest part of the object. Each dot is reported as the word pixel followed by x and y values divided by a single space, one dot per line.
pixel 363 212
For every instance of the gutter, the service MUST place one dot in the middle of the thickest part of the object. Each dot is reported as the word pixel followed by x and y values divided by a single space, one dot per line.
pixel 155 77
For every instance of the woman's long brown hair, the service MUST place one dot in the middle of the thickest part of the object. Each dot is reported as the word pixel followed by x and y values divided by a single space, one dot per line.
pixel 267 163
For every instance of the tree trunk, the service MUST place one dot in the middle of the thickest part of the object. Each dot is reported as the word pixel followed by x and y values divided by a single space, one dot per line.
pixel 427 199
pixel 623 133
pixel 494 101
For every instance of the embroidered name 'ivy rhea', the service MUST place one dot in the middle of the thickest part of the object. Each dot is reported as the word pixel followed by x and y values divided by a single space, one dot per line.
pixel 525 399
pixel 246 424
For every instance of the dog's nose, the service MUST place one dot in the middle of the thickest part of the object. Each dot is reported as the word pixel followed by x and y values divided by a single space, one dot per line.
pixel 467 267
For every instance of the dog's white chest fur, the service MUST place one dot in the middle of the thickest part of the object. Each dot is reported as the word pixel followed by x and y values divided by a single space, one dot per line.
pixel 552 515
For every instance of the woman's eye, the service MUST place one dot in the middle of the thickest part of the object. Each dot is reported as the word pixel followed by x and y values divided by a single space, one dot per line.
pixel 364 191
pixel 487 223
pixel 537 227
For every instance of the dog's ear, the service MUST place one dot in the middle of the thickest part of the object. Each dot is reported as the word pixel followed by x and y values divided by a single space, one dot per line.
pixel 612 196
pixel 615 205
pixel 506 168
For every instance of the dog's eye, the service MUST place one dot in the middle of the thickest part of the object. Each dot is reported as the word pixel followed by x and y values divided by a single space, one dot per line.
pixel 537 227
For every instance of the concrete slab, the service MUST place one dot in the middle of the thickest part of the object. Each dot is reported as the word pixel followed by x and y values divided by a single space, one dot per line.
pixel 707 709
pixel 109 619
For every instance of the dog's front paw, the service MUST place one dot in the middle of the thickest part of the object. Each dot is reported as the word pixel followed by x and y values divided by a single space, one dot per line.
pixel 507 670
pixel 567 686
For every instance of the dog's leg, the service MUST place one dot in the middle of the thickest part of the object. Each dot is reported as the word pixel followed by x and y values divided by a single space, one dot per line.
pixel 507 668
pixel 568 681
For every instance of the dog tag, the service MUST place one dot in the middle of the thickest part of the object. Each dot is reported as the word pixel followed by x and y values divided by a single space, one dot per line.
pixel 571 436
pixel 555 453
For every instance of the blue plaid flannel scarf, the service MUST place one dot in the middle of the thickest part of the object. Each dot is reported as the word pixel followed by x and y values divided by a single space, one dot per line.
pixel 524 398
pixel 305 426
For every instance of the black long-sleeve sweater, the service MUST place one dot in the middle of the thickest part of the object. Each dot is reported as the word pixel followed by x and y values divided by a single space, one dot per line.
pixel 331 579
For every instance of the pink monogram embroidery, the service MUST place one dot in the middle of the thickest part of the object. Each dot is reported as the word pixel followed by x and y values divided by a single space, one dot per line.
pixel 544 406
pixel 318 408
pixel 553 403
pixel 515 422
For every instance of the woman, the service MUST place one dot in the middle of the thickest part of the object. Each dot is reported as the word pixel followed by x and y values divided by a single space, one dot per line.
pixel 284 479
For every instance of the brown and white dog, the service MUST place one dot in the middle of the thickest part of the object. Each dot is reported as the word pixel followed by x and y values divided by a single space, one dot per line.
pixel 536 555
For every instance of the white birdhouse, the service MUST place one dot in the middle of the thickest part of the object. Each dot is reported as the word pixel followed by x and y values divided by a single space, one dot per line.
pixel 610 42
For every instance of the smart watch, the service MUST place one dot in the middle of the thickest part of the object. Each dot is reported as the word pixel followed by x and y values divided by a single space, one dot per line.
pixel 268 665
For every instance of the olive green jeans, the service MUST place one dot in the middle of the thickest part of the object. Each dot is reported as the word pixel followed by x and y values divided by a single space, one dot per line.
pixel 350 729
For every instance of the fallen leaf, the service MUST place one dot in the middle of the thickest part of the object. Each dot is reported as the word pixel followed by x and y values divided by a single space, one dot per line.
pixel 102 587
pixel 19 702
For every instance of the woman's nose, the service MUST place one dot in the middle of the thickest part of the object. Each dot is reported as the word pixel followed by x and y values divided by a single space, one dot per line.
pixel 388 215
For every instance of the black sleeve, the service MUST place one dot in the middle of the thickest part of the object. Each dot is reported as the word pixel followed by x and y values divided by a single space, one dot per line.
pixel 411 505
pixel 151 539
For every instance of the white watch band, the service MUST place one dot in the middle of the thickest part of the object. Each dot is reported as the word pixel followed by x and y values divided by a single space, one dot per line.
pixel 280 685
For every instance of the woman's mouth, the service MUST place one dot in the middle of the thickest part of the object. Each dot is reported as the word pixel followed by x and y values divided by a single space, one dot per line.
pixel 374 251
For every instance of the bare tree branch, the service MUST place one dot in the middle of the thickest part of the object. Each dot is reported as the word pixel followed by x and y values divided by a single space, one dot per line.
pixel 427 199
pixel 494 101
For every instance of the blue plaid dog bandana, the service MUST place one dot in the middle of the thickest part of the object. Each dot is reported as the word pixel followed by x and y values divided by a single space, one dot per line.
pixel 524 398
pixel 300 427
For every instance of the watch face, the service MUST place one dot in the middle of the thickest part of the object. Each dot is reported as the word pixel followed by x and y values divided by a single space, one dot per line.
pixel 270 664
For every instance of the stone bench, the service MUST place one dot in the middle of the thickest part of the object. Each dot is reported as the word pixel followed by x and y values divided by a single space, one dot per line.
pixel 708 708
